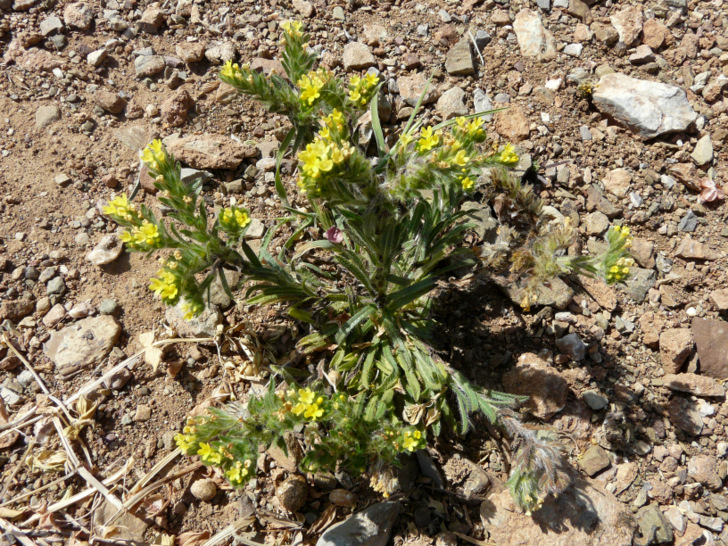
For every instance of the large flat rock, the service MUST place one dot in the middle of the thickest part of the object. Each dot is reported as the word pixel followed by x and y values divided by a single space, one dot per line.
pixel 83 344
pixel 210 151
pixel 649 108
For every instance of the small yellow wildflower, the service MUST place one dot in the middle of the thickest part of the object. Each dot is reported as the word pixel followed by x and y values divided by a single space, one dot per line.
pixel 410 443
pixel 120 207
pixel 234 217
pixel 191 309
pixel 184 442
pixel 371 80
pixel 311 85
pixel 428 140
pixel 292 28
pixel 153 155
pixel 164 285
pixel 208 454
pixel 147 233
pixel 508 156
pixel 417 434
pixel 467 183
pixel 313 411
pixel 299 408
pixel 237 473
pixel 460 159
pixel 230 70
pixel 306 395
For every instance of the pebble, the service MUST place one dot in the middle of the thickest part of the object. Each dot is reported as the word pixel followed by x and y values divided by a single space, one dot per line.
pixel 357 56
pixel 533 38
pixel 292 493
pixel 204 489
pixel 703 152
pixel 459 60
pixel 108 307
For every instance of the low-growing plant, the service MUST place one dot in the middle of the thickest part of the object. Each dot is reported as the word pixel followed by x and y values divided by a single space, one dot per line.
pixel 391 227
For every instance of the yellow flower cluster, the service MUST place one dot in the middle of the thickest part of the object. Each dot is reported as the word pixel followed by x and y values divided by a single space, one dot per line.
pixel 428 140
pixel 620 270
pixel 191 309
pixel 472 128
pixel 508 156
pixel 208 454
pixel 412 440
pixel 165 286
pixel 234 218
pixel 121 208
pixel 320 157
pixel 232 72
pixel 467 183
pixel 308 404
pixel 332 124
pixel 292 28
pixel 311 85
pixel 362 89
pixel 186 440
pixel 238 472
pixel 622 233
pixel 145 234
pixel 154 155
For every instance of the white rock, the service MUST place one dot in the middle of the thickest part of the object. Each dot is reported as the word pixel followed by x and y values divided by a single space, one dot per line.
pixel 533 38
pixel 649 108
pixel 108 250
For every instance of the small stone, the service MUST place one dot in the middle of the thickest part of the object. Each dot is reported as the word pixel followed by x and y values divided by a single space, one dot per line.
pixel 573 346
pixel 56 314
pixel 370 527
pixel 174 110
pixel 703 152
pixel 573 50
pixel 256 229
pixel 146 66
pixel 585 133
pixel 221 52
pixel 81 310
pixel 594 460
pixel 83 344
pixel 292 493
pixel 628 23
pixel 675 347
pixel 342 497
pixel 51 25
pixel 78 15
pixel 108 307
pixel 702 468
pixel 459 60
pixel 617 182
pixel 694 250
pixel 688 223
pixel 596 223
pixel 204 490
pixel 642 55
pixel 97 58
pixel 111 102
pixel 190 52
pixel 56 286
pixel 595 400
pixel 694 384
pixel 143 413
pixel 512 124
pixel 411 88
pixel 719 298
pixel 338 13
pixel 108 250
pixel 303 7
pixel 210 151
pixel 45 115
pixel 533 39
pixel 15 310
pixel 711 338
pixel 685 415
pixel 452 103
pixel 653 527
pixel 205 324
pixel 357 56
pixel 63 180
pixel 151 20
pixel 546 387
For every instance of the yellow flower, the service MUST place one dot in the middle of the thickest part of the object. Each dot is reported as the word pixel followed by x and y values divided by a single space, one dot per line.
pixel 467 183
pixel 208 454
pixel 191 309
pixel 417 434
pixel 292 28
pixel 120 207
pixel 371 80
pixel 184 442
pixel 306 395
pixel 237 473
pixel 164 285
pixel 153 155
pixel 354 95
pixel 126 237
pixel 313 411
pixel 428 140
pixel 299 408
pixel 474 127
pixel 410 443
pixel 508 156
pixel 234 218
pixel 147 233
pixel 460 159
pixel 230 70
pixel 311 85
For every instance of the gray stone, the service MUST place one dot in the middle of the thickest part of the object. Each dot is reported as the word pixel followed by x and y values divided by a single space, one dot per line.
pixel 642 55
pixel 533 39
pixel 649 108
pixel 676 344
pixel 370 527
pixel 209 151
pixel 583 514
pixel 544 4
pixel 639 283
pixel 82 344
pixel 685 415
pixel 482 39
pixel 688 223
pixel 51 25
pixel 45 115
pixel 703 469
pixel 146 66
pixel 594 460
pixel 256 229
pixel 221 52
pixel 357 56
pixel 56 286
pixel 653 527
pixel 573 346
pixel 628 23
pixel 338 13
pixel 108 307
pixel 486 226
pixel 218 295
pixel 595 400
pixel 596 223
pixel 452 103
pixel 703 152
pixel 585 133
pixel 203 325
pixel 698 385
pixel 108 250
pixel 459 60
pixel 695 250
pixel 574 50
pixel 482 103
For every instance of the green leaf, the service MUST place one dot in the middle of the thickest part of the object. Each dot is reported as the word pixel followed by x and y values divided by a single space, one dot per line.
pixel 376 124
pixel 353 322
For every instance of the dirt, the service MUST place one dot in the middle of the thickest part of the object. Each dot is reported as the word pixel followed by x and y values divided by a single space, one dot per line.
pixel 483 333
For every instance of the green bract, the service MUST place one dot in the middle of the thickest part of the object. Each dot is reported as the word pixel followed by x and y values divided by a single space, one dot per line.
pixel 390 229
